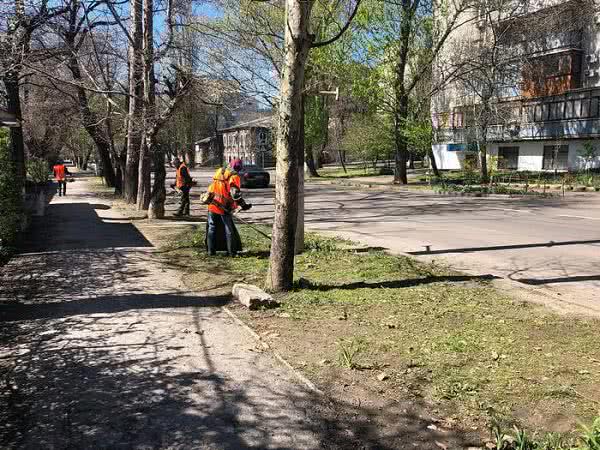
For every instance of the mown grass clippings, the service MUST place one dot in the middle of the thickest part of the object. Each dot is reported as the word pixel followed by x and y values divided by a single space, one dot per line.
pixel 443 336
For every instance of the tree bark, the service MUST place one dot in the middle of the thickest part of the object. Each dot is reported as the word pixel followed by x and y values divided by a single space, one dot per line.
pixel 485 178
pixel 434 166
pixel 289 141
pixel 402 94
pixel 318 152
pixel 144 182
pixel 401 156
pixel 299 244
pixel 156 209
pixel 338 139
pixel 17 147
pixel 309 154
pixel 144 176
pixel 119 178
pixel 134 124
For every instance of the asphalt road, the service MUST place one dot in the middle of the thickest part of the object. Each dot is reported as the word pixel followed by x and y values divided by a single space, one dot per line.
pixel 551 244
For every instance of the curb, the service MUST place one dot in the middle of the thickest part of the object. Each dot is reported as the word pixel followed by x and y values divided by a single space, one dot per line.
pixel 309 384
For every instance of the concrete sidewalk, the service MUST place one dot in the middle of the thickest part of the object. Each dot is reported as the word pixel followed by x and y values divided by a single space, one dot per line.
pixel 101 347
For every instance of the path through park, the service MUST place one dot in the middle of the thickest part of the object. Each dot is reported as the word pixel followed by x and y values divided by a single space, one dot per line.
pixel 101 346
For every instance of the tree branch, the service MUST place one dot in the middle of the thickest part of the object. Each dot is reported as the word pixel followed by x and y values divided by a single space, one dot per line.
pixel 342 30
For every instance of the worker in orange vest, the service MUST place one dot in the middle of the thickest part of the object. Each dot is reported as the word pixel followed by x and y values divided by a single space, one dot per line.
pixel 183 183
pixel 224 196
pixel 60 175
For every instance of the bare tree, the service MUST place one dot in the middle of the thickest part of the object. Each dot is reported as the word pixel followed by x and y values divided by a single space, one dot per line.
pixel 22 22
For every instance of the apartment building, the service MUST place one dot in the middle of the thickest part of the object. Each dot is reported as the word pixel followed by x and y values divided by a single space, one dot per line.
pixel 542 112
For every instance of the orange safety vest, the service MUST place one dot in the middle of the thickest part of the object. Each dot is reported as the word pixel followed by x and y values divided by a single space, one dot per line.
pixel 59 172
pixel 223 180
pixel 179 180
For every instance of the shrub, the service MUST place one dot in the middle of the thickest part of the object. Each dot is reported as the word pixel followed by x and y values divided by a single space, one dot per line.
pixel 10 199
pixel 38 170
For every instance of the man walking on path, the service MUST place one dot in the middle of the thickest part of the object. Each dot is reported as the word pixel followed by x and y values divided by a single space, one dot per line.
pixel 183 183
pixel 60 174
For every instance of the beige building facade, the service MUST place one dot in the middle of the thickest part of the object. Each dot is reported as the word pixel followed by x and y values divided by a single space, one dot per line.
pixel 544 106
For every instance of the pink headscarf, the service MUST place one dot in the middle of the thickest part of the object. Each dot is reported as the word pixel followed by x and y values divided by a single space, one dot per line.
pixel 236 164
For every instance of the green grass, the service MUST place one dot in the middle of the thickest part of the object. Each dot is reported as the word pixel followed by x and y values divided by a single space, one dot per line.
pixel 352 172
pixel 451 339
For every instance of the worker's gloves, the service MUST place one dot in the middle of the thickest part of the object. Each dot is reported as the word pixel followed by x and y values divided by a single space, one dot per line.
pixel 243 205
pixel 236 194
pixel 207 198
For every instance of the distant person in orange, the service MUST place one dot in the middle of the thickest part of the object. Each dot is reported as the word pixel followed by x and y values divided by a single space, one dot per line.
pixel 60 175
pixel 183 183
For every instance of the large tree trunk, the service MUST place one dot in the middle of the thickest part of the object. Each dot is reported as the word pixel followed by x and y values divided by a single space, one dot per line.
pixel 400 89
pixel 289 140
pixel 299 244
pixel 134 125
pixel 144 184
pixel 119 178
pixel 144 177
pixel 17 148
pixel 318 152
pixel 485 178
pixel 401 156
pixel 309 154
pixel 156 209
pixel 434 166
pixel 18 42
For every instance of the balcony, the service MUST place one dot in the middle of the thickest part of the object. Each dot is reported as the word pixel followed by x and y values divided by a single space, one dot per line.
pixel 573 115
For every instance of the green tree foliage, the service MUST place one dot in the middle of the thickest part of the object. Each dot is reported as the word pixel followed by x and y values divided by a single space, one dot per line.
pixel 316 117
pixel 10 198
pixel 369 138
pixel 419 134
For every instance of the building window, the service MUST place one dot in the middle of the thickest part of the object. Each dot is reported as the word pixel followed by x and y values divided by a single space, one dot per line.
pixel 508 158
pixel 556 157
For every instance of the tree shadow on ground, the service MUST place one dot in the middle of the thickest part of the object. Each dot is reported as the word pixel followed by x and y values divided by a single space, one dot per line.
pixel 105 305
pixel 76 226
pixel 397 284
pixel 100 381
pixel 67 275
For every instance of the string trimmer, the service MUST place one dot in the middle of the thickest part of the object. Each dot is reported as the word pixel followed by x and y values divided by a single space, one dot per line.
pixel 251 226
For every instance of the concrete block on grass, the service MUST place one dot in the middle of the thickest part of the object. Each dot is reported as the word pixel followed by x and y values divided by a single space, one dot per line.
pixel 253 297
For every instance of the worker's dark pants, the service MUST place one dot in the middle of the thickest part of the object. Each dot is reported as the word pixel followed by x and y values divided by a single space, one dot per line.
pixel 62 187
pixel 184 205
pixel 211 238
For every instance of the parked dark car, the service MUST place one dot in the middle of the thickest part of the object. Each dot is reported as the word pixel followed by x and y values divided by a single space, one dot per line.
pixel 254 176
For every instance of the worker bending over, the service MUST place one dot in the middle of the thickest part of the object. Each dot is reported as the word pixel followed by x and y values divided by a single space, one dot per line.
pixel 224 196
